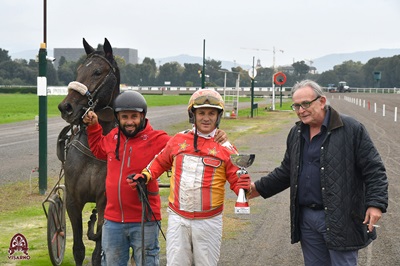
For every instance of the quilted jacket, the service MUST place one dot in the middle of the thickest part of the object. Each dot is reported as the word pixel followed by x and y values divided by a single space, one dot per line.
pixel 353 178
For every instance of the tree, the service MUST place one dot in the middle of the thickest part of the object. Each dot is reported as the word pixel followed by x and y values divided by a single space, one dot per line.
pixel 300 68
pixel 51 74
pixel 328 77
pixel 171 72
pixel 264 77
pixel 120 61
pixel 148 71
pixel 394 67
pixel 4 56
pixel 62 61
pixel 243 75
pixel 66 72
pixel 191 74
pixel 130 74
pixel 351 72
pixel 215 76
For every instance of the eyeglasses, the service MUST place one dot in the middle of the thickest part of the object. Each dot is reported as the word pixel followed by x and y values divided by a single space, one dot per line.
pixel 304 105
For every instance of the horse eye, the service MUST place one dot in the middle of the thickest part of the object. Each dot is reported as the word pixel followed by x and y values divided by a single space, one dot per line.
pixel 97 72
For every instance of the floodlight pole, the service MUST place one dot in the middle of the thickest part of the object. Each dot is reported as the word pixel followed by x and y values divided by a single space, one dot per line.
pixel 203 72
pixel 252 91
pixel 42 94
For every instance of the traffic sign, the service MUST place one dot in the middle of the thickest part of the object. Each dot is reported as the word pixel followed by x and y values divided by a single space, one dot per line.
pixel 252 72
pixel 279 78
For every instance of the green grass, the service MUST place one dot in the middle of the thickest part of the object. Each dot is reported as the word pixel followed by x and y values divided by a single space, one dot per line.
pixel 21 107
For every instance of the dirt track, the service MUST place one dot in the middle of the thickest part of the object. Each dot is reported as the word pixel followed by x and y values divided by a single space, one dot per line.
pixel 267 238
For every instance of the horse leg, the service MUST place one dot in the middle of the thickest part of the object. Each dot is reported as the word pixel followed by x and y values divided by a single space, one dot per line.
pixel 96 255
pixel 78 248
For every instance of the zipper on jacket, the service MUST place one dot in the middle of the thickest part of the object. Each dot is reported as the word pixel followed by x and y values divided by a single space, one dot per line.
pixel 120 180
pixel 129 157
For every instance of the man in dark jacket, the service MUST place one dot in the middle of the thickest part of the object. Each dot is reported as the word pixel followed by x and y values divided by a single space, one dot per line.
pixel 338 183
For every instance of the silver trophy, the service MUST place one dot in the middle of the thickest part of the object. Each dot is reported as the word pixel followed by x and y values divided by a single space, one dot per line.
pixel 242 161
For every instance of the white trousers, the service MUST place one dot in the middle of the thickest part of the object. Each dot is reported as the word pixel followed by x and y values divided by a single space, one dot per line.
pixel 195 242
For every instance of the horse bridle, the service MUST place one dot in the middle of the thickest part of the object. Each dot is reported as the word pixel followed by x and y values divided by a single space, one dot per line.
pixel 65 140
pixel 82 89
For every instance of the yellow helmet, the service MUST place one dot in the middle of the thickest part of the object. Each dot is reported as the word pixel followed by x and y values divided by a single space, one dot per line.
pixel 205 98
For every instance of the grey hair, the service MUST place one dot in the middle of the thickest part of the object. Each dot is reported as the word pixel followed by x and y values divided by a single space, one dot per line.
pixel 313 85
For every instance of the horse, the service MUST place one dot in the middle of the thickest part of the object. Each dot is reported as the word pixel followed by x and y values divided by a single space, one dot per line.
pixel 96 86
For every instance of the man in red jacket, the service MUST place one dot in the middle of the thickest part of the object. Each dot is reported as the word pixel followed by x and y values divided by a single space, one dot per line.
pixel 128 149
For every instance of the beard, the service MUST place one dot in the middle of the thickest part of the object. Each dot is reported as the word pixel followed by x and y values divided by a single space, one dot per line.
pixel 130 134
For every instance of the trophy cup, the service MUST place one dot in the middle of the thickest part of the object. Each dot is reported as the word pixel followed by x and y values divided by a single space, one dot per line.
pixel 242 161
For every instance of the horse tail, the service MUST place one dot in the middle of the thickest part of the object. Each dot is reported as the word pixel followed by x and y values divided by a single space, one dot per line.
pixel 91 223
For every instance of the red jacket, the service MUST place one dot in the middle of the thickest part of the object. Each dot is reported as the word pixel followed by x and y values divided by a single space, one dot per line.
pixel 123 204
pixel 198 178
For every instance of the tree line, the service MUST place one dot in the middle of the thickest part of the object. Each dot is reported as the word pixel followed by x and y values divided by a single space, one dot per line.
pixel 356 74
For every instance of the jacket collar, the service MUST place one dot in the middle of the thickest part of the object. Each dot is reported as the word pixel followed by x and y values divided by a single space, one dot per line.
pixel 335 120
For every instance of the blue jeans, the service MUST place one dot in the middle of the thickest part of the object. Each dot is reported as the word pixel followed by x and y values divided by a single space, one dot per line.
pixel 118 238
pixel 313 244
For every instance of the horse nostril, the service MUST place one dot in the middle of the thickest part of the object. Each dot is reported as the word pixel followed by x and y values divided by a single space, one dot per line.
pixel 65 108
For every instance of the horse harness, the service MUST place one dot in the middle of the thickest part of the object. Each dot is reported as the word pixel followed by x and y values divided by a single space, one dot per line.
pixel 69 136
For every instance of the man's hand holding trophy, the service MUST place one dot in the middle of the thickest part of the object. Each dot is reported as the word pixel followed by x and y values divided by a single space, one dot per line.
pixel 242 161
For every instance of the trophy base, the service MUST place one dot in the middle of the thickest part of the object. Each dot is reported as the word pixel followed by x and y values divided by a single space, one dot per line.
pixel 242 208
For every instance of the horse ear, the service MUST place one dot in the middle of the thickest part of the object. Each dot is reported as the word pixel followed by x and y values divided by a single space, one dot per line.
pixel 107 48
pixel 88 49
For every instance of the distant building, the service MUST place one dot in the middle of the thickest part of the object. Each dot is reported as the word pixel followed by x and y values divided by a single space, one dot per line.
pixel 287 69
pixel 313 70
pixel 73 54
pixel 290 69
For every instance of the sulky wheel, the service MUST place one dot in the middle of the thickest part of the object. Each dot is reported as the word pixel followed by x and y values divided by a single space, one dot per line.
pixel 56 230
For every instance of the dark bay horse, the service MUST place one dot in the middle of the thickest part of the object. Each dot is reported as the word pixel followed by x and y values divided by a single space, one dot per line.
pixel 96 86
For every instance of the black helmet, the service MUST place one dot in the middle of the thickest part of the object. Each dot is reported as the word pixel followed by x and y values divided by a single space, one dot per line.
pixel 130 101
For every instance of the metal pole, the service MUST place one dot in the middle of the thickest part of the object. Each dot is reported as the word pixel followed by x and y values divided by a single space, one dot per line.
pixel 203 73
pixel 42 94
pixel 44 21
pixel 252 91
pixel 225 86
pixel 237 94
pixel 273 83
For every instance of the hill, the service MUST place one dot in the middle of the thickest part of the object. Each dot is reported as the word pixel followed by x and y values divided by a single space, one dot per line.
pixel 322 64
pixel 181 59
pixel 327 62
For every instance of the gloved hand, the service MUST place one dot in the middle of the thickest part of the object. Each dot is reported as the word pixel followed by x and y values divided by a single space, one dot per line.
pixel 134 179
pixel 244 182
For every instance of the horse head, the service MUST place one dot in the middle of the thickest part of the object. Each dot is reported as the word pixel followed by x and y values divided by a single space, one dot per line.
pixel 96 86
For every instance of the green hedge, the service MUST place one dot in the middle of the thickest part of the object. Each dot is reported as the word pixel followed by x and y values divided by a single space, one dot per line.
pixel 23 90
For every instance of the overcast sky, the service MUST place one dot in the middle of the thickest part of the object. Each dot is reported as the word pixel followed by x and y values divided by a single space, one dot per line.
pixel 234 30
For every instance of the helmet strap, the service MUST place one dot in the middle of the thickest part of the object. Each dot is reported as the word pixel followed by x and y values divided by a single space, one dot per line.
pixel 195 140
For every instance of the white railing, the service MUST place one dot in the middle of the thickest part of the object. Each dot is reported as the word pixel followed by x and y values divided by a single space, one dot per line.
pixel 62 90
